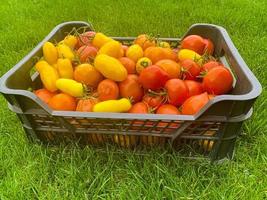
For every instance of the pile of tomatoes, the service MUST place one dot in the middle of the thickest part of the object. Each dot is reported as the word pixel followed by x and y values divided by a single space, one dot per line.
pixel 91 72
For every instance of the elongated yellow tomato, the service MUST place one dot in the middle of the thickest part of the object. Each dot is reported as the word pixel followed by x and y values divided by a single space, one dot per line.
pixel 110 67
pixel 134 52
pixel 49 76
pixel 71 41
pixel 100 39
pixel 64 68
pixel 40 65
pixel 65 51
pixel 119 106
pixel 70 87
pixel 184 54
pixel 50 52
pixel 113 48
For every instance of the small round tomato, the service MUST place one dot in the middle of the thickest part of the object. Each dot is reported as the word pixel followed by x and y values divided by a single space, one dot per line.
pixel 153 77
pixel 85 38
pixel 171 67
pixel 139 107
pixel 44 94
pixel 153 101
pixel 86 105
pixel 177 91
pixel 62 101
pixel 134 52
pixel 142 63
pixel 218 80
pixel 190 69
pixel 209 46
pixel 164 44
pixel 128 64
pixel 193 42
pixel 130 88
pixel 194 87
pixel 193 104
pixel 86 53
pixel 145 41
pixel 168 109
pixel 107 90
pixel 210 65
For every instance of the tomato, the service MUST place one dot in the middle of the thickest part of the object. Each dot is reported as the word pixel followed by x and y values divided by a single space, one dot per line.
pixel 71 87
pixel 153 101
pixel 87 74
pixel 139 107
pixel 218 80
pixel 170 66
pixel 193 104
pixel 71 41
pixel 86 53
pixel 185 54
pixel 164 44
pixel 168 109
pixel 64 51
pixel 193 42
pixel 153 77
pixel 130 88
pixel 44 94
pixel 100 39
pixel 64 68
pixel 50 53
pixel 86 105
pixel 156 54
pixel 209 46
pixel 177 91
pixel 194 87
pixel 128 64
pixel 210 65
pixel 124 47
pixel 142 63
pixel 145 41
pixel 112 48
pixel 62 101
pixel 134 52
pixel 85 38
pixel 108 90
pixel 119 106
pixel 190 69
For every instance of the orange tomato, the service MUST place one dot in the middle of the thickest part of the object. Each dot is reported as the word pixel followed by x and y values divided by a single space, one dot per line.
pixel 86 53
pixel 128 64
pixel 44 94
pixel 62 101
pixel 107 90
pixel 145 41
pixel 87 74
pixel 171 67
pixel 86 105
pixel 156 54
pixel 139 107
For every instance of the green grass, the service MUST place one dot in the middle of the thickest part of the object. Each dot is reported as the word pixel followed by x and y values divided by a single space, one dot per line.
pixel 30 171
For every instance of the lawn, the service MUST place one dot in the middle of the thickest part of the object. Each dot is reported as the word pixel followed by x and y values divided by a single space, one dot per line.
pixel 31 171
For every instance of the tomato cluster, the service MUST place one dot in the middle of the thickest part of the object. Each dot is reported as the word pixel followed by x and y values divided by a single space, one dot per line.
pixel 91 72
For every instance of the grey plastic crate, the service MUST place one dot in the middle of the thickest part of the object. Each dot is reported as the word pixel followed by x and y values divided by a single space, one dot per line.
pixel 211 132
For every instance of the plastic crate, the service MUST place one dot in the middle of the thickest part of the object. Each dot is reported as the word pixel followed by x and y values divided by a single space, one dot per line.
pixel 211 132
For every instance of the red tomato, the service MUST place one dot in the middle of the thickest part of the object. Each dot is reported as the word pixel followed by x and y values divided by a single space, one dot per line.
pixel 85 53
pixel 193 104
pixel 168 109
pixel 194 87
pixel 218 80
pixel 209 46
pixel 139 107
pixel 130 88
pixel 193 42
pixel 177 91
pixel 107 90
pixel 210 65
pixel 44 94
pixel 153 77
pixel 129 64
pixel 85 38
pixel 190 69
pixel 154 101
pixel 86 105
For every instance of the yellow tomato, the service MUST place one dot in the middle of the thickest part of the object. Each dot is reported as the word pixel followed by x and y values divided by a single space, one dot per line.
pixel 113 48
pixel 110 67
pixel 142 63
pixel 134 52
pixel 100 39
pixel 64 68
pixel 117 106
pixel 50 52
pixel 65 51
pixel 48 75
pixel 70 87
pixel 71 41
pixel 164 45
pixel 184 54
